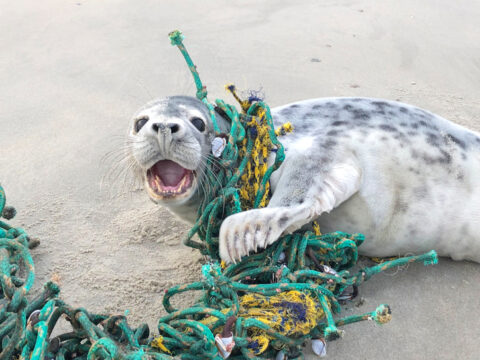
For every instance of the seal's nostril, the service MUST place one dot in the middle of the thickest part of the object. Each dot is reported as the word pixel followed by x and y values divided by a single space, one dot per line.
pixel 163 127
pixel 173 128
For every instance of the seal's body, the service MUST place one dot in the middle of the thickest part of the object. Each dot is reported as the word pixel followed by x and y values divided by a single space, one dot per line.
pixel 406 178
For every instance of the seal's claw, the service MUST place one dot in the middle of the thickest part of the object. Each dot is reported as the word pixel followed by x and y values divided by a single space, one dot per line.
pixel 248 231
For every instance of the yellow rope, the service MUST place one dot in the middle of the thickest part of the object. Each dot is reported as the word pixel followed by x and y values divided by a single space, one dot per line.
pixel 380 260
pixel 316 228
pixel 291 313
pixel 256 168
pixel 158 344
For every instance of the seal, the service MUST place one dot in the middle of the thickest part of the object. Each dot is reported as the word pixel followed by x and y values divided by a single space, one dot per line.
pixel 405 177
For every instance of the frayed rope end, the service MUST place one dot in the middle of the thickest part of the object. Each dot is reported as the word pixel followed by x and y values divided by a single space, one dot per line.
pixel 432 258
pixel 383 314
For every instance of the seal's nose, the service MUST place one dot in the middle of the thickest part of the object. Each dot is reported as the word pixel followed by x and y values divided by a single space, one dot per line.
pixel 173 127
pixel 164 127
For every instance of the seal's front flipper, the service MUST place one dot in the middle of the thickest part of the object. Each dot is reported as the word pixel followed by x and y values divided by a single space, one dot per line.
pixel 294 203
pixel 251 230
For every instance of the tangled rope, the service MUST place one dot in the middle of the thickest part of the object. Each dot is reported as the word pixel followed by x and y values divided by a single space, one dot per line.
pixel 271 301
pixel 268 303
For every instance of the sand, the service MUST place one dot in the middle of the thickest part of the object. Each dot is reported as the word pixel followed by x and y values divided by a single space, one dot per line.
pixel 73 72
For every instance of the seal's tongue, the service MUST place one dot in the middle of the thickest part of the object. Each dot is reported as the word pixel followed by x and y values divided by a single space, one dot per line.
pixel 169 172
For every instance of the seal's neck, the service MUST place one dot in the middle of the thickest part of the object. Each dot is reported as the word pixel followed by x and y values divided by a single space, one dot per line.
pixel 188 211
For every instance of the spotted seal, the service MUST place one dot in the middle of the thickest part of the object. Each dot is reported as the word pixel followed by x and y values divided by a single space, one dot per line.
pixel 406 178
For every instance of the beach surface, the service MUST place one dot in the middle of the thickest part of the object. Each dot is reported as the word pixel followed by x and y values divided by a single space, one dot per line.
pixel 74 72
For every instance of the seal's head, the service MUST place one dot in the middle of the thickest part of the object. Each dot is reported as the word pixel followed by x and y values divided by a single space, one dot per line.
pixel 169 140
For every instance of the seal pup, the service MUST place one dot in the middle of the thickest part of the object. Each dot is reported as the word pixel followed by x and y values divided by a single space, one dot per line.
pixel 406 178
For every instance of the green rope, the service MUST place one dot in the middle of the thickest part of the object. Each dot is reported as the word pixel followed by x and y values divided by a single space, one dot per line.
pixel 176 39
pixel 296 262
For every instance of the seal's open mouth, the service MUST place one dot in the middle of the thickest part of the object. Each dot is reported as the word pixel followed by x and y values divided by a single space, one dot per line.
pixel 167 179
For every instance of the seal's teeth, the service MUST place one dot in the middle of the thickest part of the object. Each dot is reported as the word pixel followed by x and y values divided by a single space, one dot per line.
pixel 180 186
pixel 158 190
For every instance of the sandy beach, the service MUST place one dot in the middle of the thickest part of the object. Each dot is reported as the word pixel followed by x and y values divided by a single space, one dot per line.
pixel 74 72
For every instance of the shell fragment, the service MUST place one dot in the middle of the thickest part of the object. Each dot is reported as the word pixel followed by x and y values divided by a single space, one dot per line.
pixel 225 345
pixel 218 145
pixel 319 347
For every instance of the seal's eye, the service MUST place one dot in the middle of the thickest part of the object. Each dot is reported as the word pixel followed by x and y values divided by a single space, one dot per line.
pixel 139 123
pixel 198 123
